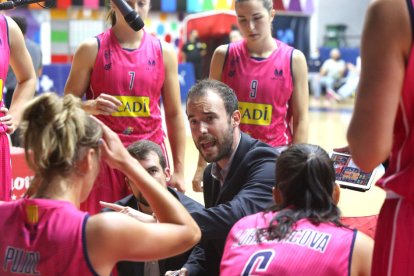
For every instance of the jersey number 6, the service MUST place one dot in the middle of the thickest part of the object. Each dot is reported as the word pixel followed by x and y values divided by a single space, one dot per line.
pixel 258 262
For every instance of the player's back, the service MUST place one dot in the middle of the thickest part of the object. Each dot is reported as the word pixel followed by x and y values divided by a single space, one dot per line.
pixel 43 237
pixel 307 250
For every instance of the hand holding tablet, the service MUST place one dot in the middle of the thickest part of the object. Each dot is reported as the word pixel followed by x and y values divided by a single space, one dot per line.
pixel 349 176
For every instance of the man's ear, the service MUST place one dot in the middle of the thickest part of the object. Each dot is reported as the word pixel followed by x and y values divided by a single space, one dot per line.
pixel 272 14
pixel 236 118
pixel 277 195
pixel 336 194
pixel 167 173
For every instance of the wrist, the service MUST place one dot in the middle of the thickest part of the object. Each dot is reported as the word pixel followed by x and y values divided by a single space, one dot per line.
pixel 89 106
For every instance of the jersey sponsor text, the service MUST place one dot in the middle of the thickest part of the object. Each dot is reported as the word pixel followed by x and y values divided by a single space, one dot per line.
pixel 255 114
pixel 133 106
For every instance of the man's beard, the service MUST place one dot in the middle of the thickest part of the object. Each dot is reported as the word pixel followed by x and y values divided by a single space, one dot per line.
pixel 224 147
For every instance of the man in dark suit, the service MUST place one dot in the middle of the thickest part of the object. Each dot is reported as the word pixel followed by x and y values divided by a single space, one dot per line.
pixel 239 179
pixel 150 156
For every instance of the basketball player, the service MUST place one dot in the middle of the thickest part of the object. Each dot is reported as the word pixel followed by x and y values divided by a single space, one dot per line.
pixel 48 234
pixel 302 235
pixel 13 51
pixel 382 127
pixel 123 75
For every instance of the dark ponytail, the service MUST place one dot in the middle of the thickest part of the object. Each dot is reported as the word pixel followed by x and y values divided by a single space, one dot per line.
pixel 305 177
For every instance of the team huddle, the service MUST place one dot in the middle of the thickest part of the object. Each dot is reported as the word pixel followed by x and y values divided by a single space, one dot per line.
pixel 107 199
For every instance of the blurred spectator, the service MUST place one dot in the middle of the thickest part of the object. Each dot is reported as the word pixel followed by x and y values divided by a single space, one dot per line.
pixel 351 81
pixel 193 52
pixel 235 34
pixel 330 75
pixel 314 62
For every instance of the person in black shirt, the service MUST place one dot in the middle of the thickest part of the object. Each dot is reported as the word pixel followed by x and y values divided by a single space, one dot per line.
pixel 193 52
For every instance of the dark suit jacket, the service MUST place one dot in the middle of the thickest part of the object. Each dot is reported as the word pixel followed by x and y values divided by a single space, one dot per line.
pixel 247 190
pixel 173 263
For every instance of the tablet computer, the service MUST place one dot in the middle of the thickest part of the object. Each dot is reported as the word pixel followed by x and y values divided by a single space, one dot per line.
pixel 348 175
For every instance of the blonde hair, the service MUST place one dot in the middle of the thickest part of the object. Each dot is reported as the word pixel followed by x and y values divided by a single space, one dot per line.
pixel 56 134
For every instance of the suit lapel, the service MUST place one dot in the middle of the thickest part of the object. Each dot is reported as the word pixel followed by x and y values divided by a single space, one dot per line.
pixel 241 151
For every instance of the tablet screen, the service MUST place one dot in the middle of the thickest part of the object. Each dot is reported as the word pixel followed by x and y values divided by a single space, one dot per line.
pixel 348 174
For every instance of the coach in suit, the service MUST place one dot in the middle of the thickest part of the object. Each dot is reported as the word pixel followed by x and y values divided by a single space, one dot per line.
pixel 239 179
pixel 150 156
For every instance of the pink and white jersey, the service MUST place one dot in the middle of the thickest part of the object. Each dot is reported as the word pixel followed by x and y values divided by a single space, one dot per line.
pixel 399 176
pixel 264 89
pixel 43 237
pixel 5 168
pixel 308 250
pixel 136 78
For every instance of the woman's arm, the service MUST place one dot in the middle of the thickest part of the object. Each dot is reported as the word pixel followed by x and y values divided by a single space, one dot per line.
pixel 362 255
pixel 80 76
pixel 300 98
pixel 174 116
pixel 217 62
pixel 111 236
pixel 21 63
pixel 386 43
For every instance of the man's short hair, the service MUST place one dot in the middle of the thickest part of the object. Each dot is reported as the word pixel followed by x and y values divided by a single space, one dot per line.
pixel 140 150
pixel 230 101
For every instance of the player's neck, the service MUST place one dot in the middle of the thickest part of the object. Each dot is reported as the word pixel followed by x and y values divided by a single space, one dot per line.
pixel 263 48
pixel 127 37
pixel 60 189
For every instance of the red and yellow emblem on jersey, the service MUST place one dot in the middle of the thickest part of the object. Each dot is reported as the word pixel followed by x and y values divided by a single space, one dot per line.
pixel 133 106
pixel 255 114
pixel 32 213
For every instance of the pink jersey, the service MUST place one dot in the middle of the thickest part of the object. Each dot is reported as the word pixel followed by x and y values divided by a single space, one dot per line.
pixel 5 168
pixel 308 250
pixel 43 237
pixel 136 78
pixel 109 186
pixel 264 89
